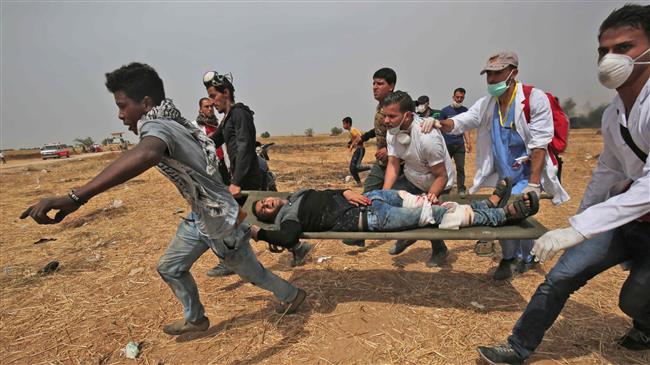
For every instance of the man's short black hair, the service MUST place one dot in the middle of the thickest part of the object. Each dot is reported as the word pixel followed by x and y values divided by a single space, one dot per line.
pixel 259 218
pixel 347 120
pixel 633 15
pixel 201 101
pixel 136 80
pixel 460 90
pixel 387 74
pixel 402 98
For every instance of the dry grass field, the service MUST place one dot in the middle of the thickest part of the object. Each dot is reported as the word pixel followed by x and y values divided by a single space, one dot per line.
pixel 364 306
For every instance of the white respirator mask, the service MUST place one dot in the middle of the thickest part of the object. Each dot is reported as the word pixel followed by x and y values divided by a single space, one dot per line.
pixel 401 136
pixel 614 69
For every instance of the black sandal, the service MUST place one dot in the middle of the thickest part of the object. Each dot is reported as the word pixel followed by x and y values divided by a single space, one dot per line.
pixel 521 210
pixel 503 192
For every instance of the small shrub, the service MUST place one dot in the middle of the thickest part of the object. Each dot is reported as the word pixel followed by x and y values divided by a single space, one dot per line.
pixel 309 132
pixel 265 135
pixel 335 131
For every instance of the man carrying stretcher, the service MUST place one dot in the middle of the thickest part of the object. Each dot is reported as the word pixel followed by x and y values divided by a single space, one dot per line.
pixel 310 210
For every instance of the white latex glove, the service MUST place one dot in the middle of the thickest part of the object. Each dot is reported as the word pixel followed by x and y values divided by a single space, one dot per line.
pixel 533 187
pixel 553 241
pixel 428 124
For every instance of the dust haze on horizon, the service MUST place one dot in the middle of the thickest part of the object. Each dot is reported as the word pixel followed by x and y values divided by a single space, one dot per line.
pixel 297 65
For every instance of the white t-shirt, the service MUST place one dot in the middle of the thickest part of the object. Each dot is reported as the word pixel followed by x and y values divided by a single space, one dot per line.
pixel 424 151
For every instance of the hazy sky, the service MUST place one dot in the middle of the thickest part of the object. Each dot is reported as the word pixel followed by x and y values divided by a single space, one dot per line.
pixel 298 65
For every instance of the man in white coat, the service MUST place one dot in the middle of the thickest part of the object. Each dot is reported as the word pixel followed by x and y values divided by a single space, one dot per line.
pixel 613 222
pixel 509 145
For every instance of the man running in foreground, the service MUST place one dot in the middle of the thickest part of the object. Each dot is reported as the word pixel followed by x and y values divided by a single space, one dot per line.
pixel 186 156
pixel 310 210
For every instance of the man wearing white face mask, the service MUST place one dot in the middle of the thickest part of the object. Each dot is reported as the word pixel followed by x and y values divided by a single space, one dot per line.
pixel 423 109
pixel 509 144
pixel 613 223
pixel 427 166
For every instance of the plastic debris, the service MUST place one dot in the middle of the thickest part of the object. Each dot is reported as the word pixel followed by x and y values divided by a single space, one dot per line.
pixel 322 259
pixel 132 350
pixel 477 305
pixel 51 267
pixel 116 204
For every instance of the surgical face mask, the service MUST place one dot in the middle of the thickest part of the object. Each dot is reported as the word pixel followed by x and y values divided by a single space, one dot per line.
pixel 456 105
pixel 499 88
pixel 421 108
pixel 614 69
pixel 402 137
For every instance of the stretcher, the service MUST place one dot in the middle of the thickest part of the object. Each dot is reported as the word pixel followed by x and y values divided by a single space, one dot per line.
pixel 527 229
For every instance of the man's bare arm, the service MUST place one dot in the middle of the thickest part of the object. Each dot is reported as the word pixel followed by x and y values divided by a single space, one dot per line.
pixel 392 172
pixel 537 162
pixel 131 164
pixel 439 172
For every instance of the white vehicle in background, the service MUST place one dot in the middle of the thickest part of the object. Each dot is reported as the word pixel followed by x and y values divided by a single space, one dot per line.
pixel 54 150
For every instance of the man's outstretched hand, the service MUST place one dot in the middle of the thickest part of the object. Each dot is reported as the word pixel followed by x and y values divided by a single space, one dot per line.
pixel 355 198
pixel 39 211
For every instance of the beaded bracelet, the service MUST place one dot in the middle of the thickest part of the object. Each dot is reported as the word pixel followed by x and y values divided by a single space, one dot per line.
pixel 75 198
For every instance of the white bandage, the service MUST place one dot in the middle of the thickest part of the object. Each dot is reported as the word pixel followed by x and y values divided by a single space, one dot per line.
pixel 457 216
pixel 410 200
pixel 426 215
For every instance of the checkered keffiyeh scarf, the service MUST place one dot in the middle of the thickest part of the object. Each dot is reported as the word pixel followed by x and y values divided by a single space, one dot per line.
pixel 167 110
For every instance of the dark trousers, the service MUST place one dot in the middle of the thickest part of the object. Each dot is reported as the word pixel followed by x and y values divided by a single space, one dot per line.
pixel 630 242
pixel 355 163
pixel 457 153
pixel 403 183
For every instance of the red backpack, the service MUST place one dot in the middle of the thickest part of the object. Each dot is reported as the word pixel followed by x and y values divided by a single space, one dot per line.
pixel 560 123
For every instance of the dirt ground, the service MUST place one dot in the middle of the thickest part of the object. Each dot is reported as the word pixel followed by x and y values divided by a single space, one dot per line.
pixel 364 306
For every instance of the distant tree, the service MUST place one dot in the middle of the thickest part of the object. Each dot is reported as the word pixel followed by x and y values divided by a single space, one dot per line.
pixel 107 141
pixel 265 135
pixel 309 132
pixel 335 131
pixel 85 142
pixel 569 107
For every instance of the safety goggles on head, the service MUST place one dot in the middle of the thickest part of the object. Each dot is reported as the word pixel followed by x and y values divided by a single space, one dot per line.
pixel 213 78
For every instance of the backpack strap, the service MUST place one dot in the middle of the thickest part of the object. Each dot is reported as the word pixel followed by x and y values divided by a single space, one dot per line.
pixel 527 90
pixel 625 133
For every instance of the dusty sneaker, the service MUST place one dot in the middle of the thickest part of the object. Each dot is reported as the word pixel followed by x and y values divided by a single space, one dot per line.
pixel 181 326
pixel 292 307
pixel 504 270
pixel 438 259
pixel 300 252
pixel 500 354
pixel 220 270
pixel 358 243
pixel 400 246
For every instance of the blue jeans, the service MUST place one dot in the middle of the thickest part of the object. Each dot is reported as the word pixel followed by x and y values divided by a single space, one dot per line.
pixel 577 266
pixel 402 183
pixel 386 213
pixel 235 252
pixel 355 163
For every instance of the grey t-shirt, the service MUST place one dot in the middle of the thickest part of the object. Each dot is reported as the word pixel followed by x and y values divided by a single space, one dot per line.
pixel 289 211
pixel 184 164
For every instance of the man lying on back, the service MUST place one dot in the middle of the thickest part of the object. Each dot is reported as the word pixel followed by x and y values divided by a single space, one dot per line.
pixel 310 210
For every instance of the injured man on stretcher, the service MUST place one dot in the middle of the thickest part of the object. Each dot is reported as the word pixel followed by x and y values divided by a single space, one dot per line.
pixel 309 210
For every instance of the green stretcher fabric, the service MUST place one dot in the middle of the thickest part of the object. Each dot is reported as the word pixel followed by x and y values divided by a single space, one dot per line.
pixel 528 229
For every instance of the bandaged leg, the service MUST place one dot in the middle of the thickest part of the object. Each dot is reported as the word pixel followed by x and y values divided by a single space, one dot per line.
pixel 411 200
pixel 431 214
pixel 457 216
